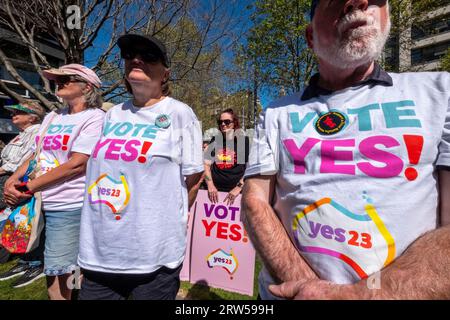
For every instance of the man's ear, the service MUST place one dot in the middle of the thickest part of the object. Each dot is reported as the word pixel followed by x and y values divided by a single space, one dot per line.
pixel 309 36
pixel 166 75
pixel 87 88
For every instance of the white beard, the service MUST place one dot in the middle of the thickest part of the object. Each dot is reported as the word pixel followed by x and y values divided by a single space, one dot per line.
pixel 357 46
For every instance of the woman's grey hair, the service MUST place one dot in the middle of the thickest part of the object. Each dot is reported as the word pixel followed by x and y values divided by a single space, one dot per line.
pixel 36 118
pixel 93 98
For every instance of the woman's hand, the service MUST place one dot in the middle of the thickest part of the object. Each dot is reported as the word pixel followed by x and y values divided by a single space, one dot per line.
pixel 213 193
pixel 231 196
pixel 12 196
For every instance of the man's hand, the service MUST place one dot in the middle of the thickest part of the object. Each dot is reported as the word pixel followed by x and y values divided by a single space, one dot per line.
pixel 320 290
pixel 231 196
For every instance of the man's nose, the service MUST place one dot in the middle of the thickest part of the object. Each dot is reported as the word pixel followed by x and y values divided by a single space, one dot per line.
pixel 352 5
pixel 137 59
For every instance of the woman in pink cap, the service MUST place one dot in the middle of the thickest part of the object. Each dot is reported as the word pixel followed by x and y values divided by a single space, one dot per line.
pixel 69 136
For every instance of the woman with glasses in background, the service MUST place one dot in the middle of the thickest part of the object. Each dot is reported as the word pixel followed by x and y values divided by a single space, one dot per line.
pixel 69 136
pixel 226 159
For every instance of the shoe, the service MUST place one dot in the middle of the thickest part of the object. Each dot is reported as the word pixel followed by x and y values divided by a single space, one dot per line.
pixel 4 254
pixel 15 271
pixel 31 275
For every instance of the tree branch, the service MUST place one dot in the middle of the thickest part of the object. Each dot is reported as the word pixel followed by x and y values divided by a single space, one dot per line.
pixel 12 71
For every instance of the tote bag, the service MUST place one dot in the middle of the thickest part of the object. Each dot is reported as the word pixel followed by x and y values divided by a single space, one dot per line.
pixel 22 229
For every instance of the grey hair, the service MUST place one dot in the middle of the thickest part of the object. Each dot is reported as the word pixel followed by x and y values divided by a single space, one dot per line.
pixel 36 118
pixel 93 98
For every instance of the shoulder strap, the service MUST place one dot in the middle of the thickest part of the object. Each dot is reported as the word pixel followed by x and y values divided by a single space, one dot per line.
pixel 44 132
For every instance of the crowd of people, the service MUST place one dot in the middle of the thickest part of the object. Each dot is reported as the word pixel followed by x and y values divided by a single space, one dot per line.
pixel 346 179
pixel 102 177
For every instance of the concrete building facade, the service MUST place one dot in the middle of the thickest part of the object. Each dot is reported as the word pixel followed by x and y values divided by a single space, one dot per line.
pixel 422 44
pixel 19 56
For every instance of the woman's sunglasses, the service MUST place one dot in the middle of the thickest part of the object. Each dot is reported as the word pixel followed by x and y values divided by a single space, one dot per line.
pixel 17 112
pixel 146 56
pixel 62 80
pixel 227 122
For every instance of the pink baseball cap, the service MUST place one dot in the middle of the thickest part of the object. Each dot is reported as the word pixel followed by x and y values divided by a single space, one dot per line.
pixel 74 69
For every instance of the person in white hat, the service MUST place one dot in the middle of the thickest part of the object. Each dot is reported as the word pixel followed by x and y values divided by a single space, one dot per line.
pixel 69 136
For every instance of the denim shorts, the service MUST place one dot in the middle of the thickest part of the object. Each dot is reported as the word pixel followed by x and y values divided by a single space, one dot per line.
pixel 62 236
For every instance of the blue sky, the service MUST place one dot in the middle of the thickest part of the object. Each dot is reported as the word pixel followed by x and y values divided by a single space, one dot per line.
pixel 241 8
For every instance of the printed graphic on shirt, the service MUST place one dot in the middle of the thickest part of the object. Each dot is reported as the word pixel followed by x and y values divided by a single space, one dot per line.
pixel 226 158
pixel 362 241
pixel 126 141
pixel 220 258
pixel 57 137
pixel 380 152
pixel 110 192
pixel 47 164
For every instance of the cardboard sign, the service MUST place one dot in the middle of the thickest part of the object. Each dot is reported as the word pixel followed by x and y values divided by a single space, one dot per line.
pixel 221 255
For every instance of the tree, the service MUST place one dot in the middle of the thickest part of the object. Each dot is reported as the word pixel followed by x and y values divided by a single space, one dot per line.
pixel 73 24
pixel 410 19
pixel 445 61
pixel 276 48
pixel 196 32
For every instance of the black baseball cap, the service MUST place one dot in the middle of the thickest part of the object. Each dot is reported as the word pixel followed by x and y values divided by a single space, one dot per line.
pixel 314 4
pixel 129 40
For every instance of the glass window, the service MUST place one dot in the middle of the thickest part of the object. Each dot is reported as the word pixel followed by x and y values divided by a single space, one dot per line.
pixel 431 27
pixel 429 53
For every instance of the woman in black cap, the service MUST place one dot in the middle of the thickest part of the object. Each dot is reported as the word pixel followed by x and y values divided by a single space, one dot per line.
pixel 133 228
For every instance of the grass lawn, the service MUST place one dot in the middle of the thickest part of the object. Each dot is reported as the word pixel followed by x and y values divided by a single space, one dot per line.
pixel 35 291
pixel 38 290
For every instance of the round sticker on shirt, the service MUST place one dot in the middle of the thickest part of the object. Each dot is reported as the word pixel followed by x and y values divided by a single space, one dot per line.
pixel 163 121
pixel 330 123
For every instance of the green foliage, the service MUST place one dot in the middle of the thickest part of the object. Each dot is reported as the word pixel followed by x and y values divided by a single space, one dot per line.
pixel 405 13
pixel 445 61
pixel 38 289
pixel 35 291
pixel 409 19
pixel 276 45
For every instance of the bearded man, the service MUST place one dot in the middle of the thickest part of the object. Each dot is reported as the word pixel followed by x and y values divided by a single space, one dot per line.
pixel 347 192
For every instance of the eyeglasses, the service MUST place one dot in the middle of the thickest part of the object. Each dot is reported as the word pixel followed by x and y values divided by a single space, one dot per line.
pixel 227 122
pixel 62 80
pixel 17 112
pixel 146 56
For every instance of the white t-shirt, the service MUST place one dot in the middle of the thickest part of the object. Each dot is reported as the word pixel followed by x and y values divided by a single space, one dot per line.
pixel 135 210
pixel 67 133
pixel 356 171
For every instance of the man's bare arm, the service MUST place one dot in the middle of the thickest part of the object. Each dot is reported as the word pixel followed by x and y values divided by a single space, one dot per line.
pixel 444 195
pixel 267 233
pixel 193 183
